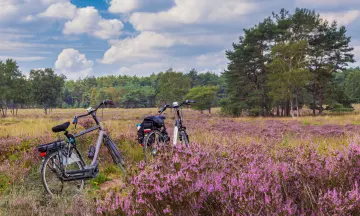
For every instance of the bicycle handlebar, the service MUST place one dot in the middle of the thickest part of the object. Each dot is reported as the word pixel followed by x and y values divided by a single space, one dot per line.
pixel 104 102
pixel 186 102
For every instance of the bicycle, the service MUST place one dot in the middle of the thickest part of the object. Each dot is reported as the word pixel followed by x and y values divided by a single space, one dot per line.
pixel 153 135
pixel 64 161
pixel 155 139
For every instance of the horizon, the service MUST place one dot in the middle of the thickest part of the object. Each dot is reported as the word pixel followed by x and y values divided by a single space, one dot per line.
pixel 135 38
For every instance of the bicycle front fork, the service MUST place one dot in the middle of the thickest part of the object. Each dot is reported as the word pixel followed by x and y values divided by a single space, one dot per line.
pixel 176 134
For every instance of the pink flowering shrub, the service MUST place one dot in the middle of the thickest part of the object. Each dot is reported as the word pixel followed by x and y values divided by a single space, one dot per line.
pixel 242 180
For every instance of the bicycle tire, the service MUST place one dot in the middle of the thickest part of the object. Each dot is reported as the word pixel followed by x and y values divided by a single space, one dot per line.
pixel 115 155
pixel 148 146
pixel 184 138
pixel 44 179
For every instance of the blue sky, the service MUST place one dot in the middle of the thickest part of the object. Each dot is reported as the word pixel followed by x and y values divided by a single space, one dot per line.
pixel 138 37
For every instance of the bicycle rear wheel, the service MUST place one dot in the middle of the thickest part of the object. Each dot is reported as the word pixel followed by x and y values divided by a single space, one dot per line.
pixel 51 171
pixel 152 143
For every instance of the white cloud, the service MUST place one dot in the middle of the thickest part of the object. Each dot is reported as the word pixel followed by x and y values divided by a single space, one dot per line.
pixel 342 18
pixel 215 62
pixel 211 60
pixel 73 64
pixel 146 68
pixel 23 58
pixel 123 6
pixel 193 12
pixel 142 46
pixel 61 10
pixel 87 20
pixel 8 9
pixel 13 11
pixel 325 2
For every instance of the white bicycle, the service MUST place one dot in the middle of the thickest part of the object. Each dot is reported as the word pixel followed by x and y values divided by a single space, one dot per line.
pixel 179 129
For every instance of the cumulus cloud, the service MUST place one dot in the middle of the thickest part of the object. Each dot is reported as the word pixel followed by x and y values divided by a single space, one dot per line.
pixel 342 18
pixel 13 11
pixel 87 20
pixel 60 10
pixel 142 46
pixel 123 6
pixel 193 12
pixel 73 64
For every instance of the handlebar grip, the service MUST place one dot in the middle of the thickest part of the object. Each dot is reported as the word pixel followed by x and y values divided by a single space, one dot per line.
pixel 162 109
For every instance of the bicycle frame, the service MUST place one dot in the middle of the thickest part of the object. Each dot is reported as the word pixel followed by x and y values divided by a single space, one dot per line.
pixel 178 122
pixel 178 126
pixel 103 137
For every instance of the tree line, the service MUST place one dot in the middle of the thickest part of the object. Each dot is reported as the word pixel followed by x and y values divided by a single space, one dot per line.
pixel 45 89
pixel 282 64
pixel 288 61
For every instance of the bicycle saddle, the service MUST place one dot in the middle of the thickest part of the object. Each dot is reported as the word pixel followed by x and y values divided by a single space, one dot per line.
pixel 61 127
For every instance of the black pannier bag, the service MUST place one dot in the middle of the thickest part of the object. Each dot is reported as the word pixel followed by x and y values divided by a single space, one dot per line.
pixel 152 123
pixel 51 147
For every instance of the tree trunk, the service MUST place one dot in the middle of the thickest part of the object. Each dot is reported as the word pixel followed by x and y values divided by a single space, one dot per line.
pixel 321 101
pixel 45 110
pixel 291 108
pixel 282 110
pixel 201 111
pixel 209 109
pixel 314 98
pixel 297 103
pixel 277 110
pixel 17 111
pixel 287 110
pixel 3 112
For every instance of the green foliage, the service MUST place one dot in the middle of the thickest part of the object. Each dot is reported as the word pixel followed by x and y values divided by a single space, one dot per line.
pixel 4 182
pixel 261 73
pixel 172 86
pixel 352 84
pixel 204 96
pixel 46 87
pixel 13 86
pixel 98 180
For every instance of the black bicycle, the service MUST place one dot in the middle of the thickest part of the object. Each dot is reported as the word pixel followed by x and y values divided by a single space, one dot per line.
pixel 155 135
pixel 64 164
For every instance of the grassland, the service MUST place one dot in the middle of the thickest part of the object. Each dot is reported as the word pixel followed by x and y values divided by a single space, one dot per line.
pixel 21 192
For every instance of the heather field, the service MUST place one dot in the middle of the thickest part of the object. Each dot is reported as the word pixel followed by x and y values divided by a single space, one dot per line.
pixel 235 166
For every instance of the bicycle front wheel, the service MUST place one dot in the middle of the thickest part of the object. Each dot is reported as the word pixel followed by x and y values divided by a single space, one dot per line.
pixel 184 138
pixel 152 143
pixel 52 171
pixel 115 154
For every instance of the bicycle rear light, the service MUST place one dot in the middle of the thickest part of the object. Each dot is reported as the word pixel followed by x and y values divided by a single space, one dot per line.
pixel 147 130
pixel 42 154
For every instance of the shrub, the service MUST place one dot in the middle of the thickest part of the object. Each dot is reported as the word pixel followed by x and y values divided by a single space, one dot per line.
pixel 251 179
